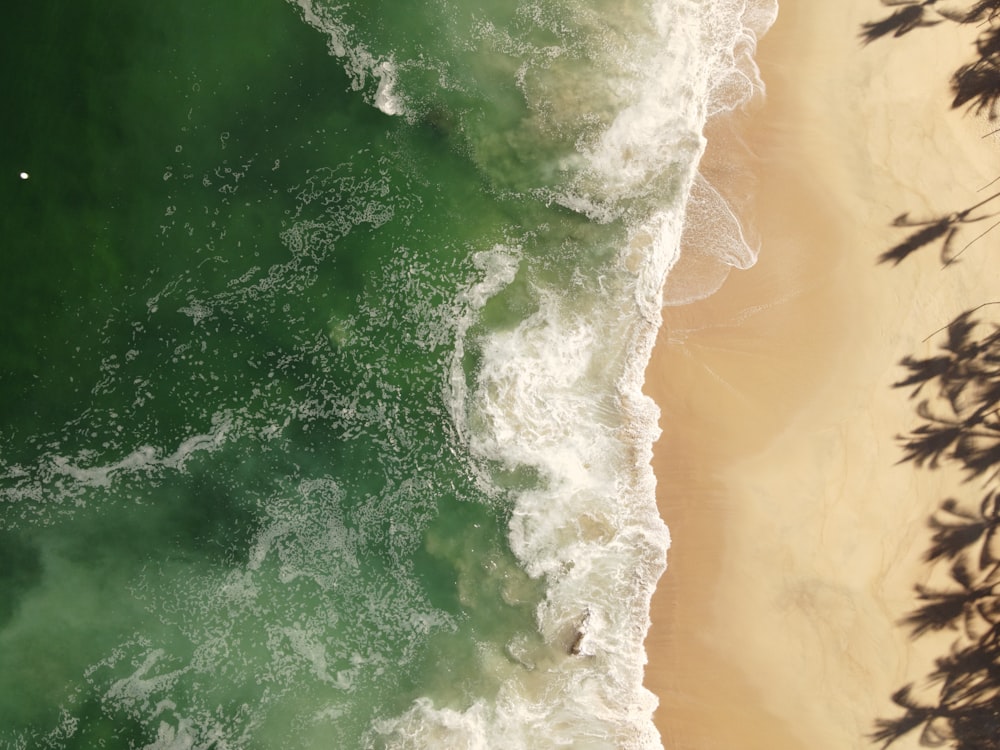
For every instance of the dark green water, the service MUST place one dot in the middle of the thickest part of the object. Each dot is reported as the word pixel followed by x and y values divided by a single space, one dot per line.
pixel 229 302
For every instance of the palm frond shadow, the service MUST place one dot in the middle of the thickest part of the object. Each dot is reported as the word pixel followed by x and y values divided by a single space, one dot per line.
pixel 984 10
pixel 943 229
pixel 952 609
pixel 957 530
pixel 977 84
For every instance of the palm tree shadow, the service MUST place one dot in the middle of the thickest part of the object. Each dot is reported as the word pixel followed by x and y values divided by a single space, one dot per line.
pixel 912 15
pixel 960 417
pixel 964 725
pixel 966 713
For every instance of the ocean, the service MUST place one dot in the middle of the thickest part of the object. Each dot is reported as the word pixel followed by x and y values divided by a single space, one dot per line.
pixel 324 336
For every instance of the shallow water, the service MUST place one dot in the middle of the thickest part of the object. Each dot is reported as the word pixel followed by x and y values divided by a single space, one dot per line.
pixel 325 330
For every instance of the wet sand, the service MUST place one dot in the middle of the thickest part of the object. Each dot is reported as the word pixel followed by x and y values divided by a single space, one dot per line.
pixel 797 536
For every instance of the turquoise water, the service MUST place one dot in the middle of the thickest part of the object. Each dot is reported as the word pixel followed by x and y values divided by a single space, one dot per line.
pixel 324 333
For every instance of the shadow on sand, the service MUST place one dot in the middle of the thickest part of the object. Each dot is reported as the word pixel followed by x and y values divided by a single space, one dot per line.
pixel 943 230
pixel 957 396
pixel 976 84
pixel 958 406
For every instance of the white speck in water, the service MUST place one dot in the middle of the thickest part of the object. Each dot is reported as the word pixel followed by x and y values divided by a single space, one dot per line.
pixel 24 175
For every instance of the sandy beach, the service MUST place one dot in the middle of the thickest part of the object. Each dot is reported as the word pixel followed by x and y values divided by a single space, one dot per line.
pixel 797 534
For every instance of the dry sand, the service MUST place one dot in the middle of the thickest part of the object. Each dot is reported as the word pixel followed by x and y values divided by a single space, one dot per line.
pixel 797 538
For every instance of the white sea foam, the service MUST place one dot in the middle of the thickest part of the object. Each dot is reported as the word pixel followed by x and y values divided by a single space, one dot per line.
pixel 359 63
pixel 497 268
pixel 561 391
pixel 385 95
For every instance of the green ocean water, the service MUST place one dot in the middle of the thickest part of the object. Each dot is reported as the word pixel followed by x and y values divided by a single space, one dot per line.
pixel 219 239
pixel 320 423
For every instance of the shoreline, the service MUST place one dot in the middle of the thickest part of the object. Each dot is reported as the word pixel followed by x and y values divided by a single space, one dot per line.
pixel 797 538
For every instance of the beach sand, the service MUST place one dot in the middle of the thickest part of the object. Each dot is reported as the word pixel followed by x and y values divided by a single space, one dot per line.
pixel 797 535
